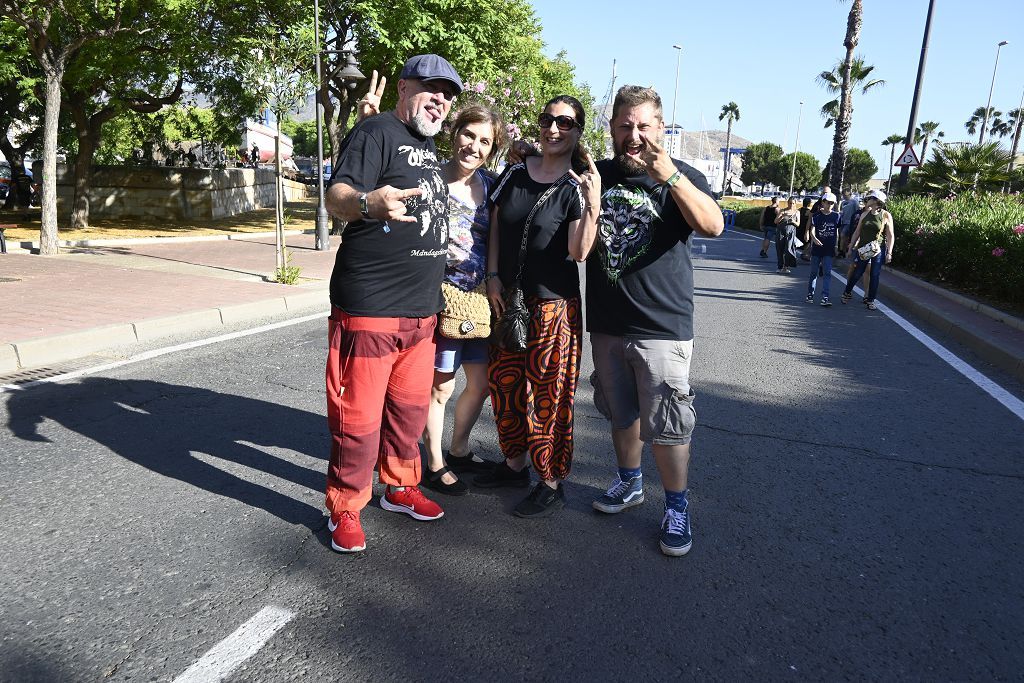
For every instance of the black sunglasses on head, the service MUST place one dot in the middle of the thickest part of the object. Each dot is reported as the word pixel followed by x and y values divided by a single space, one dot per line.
pixel 564 123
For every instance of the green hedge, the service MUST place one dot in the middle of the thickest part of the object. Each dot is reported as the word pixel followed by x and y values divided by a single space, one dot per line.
pixel 974 243
pixel 747 216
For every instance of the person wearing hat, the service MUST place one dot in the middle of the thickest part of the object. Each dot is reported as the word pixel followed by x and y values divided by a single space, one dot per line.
pixel 385 293
pixel 823 231
pixel 874 228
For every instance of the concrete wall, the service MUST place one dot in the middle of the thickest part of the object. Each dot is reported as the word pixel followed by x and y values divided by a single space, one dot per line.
pixel 175 193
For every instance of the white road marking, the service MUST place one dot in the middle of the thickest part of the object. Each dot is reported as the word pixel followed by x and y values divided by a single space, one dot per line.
pixel 156 353
pixel 1008 400
pixel 228 654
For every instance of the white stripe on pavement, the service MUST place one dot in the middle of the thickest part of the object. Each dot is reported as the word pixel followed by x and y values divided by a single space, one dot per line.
pixel 246 641
pixel 156 353
pixel 1008 400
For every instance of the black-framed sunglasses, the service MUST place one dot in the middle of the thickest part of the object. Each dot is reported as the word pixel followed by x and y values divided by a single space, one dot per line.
pixel 564 123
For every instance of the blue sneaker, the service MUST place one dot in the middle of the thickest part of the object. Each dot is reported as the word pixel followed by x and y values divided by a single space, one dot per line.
pixel 675 533
pixel 622 495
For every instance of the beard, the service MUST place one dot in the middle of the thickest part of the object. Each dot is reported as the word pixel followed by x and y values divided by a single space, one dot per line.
pixel 421 125
pixel 629 165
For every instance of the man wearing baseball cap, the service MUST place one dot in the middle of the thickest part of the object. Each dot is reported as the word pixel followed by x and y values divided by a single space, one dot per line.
pixel 385 293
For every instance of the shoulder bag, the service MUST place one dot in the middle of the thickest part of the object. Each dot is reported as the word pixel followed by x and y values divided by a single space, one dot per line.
pixel 510 330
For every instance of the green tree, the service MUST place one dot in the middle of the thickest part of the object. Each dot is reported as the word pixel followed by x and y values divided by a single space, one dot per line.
pixel 757 162
pixel 303 135
pixel 56 31
pixel 20 108
pixel 977 121
pixel 860 168
pixel 891 143
pixel 926 131
pixel 730 112
pixel 859 78
pixel 954 169
pixel 806 174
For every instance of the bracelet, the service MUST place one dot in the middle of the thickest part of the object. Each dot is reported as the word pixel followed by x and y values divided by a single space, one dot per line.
pixel 673 179
pixel 490 276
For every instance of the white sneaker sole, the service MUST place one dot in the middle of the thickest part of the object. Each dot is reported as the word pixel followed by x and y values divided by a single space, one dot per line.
pixel 612 509
pixel 391 507
pixel 675 552
pixel 356 549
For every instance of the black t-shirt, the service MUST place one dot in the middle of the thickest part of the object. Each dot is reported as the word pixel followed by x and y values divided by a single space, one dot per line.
pixel 550 272
pixel 640 277
pixel 392 269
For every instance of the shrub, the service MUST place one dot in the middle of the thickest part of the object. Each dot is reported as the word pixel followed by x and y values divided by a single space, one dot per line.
pixel 974 242
pixel 747 216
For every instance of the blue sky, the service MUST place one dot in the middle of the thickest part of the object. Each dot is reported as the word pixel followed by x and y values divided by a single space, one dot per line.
pixel 765 56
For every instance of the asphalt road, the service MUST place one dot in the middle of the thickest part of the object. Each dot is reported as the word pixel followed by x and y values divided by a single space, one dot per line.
pixel 855 507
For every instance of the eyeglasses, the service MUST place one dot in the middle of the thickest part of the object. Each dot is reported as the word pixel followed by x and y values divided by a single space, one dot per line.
pixel 564 123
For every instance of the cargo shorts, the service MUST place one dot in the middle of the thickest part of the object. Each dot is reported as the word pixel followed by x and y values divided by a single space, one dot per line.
pixel 645 379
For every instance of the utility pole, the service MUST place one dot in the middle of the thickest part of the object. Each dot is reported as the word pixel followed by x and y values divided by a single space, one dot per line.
pixel 905 171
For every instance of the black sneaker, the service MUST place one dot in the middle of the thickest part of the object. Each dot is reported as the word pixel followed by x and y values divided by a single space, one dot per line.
pixel 503 475
pixel 468 463
pixel 542 501
pixel 764 255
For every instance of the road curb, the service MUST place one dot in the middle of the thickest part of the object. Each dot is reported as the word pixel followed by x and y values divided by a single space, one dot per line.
pixel 967 302
pixel 31 354
pixel 993 348
pixel 73 244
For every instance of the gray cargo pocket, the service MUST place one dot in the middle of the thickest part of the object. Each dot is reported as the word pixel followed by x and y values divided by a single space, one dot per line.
pixel 675 418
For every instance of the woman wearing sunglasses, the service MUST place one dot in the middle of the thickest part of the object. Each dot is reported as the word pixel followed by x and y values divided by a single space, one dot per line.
pixel 532 393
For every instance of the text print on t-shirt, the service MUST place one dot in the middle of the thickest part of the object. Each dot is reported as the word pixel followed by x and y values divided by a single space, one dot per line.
pixel 431 206
pixel 625 227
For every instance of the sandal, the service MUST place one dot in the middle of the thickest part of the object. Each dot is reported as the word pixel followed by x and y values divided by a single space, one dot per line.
pixel 466 463
pixel 432 480
pixel 871 305
pixel 845 298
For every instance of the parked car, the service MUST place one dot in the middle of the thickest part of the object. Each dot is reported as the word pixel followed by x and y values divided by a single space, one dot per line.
pixel 5 180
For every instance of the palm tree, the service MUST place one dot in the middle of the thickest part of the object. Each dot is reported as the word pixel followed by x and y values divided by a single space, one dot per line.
pixel 731 112
pixel 842 135
pixel 999 128
pixel 927 130
pixel 962 168
pixel 978 119
pixel 1017 118
pixel 891 141
pixel 860 77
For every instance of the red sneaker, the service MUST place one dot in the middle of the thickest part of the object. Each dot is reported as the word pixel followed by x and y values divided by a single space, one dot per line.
pixel 412 502
pixel 347 535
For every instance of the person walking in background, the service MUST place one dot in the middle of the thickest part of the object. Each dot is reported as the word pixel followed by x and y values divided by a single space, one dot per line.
pixel 385 294
pixel 768 216
pixel 873 242
pixel 804 234
pixel 533 392
pixel 824 227
pixel 478 134
pixel 640 308
pixel 786 223
pixel 847 219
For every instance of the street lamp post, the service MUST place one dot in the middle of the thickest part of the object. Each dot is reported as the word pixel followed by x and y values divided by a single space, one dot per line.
pixel 988 105
pixel 675 95
pixel 796 148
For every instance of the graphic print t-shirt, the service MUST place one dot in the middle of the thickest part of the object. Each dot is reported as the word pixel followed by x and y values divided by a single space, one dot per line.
pixel 468 229
pixel 386 268
pixel 826 225
pixel 640 277
pixel 550 272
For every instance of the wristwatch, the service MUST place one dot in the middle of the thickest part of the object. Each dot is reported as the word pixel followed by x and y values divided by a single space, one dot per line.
pixel 363 209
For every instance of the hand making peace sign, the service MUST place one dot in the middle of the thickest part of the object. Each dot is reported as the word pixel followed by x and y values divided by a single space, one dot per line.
pixel 370 104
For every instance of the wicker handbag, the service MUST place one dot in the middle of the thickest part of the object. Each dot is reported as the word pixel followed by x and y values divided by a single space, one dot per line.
pixel 466 315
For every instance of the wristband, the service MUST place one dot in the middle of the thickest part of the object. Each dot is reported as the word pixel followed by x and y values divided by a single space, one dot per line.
pixel 673 179
pixel 363 208
pixel 490 276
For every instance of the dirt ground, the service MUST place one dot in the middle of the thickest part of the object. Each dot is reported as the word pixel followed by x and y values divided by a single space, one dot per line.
pixel 298 216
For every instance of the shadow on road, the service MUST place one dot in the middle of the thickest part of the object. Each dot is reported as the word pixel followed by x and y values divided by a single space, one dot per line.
pixel 163 426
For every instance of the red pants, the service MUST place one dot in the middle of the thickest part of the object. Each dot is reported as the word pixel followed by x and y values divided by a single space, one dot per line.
pixel 533 393
pixel 379 375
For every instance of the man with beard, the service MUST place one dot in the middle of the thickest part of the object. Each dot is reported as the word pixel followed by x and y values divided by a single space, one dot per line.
pixel 385 293
pixel 640 307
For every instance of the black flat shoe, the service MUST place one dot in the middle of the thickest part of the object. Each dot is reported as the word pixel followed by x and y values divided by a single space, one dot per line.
pixel 432 480
pixel 467 463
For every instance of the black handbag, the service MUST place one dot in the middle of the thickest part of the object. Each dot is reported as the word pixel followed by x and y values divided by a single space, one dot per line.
pixel 510 330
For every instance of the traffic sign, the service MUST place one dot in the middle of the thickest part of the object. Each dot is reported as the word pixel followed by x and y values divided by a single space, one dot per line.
pixel 908 157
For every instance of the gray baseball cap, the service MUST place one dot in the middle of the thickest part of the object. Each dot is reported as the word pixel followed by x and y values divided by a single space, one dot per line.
pixel 430 67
